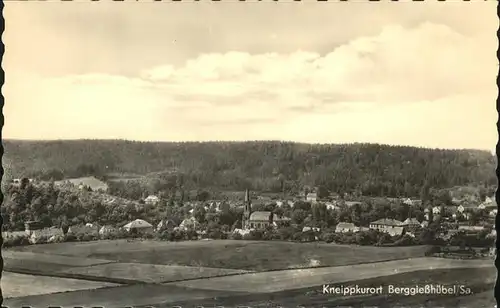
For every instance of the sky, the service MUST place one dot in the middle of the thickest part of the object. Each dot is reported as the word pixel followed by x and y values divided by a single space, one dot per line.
pixel 418 74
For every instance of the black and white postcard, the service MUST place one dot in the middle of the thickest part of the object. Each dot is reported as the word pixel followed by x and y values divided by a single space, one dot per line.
pixel 249 154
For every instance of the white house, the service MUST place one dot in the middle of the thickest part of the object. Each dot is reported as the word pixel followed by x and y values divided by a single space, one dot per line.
pixel 391 226
pixel 345 227
pixel 105 230
pixel 489 203
pixel 407 201
pixel 152 199
pixel 331 206
pixel 189 224
pixel 314 229
pixel 352 203
pixel 471 228
pixel 139 226
pixel 312 197
pixel 436 210
pixel 493 213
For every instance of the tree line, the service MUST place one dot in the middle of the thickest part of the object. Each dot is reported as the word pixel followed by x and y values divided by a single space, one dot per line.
pixel 270 166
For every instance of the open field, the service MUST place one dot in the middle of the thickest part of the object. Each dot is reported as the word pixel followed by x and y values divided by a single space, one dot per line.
pixel 150 273
pixel 118 297
pixel 229 254
pixel 14 285
pixel 186 277
pixel 481 280
pixel 305 278
pixel 50 258
pixel 41 262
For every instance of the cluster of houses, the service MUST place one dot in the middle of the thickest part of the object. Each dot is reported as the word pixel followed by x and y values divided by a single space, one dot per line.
pixel 35 232
pixel 393 227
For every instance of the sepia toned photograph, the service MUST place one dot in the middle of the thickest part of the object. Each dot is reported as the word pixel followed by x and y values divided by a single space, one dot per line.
pixel 249 154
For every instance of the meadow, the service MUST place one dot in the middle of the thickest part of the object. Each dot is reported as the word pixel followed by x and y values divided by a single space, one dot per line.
pixel 228 273
pixel 228 254
pixel 480 280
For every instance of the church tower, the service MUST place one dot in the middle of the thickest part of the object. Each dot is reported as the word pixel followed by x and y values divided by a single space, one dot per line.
pixel 247 210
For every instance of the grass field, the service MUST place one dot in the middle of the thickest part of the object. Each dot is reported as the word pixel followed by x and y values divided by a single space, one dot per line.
pixel 229 254
pixel 150 273
pixel 14 285
pixel 304 278
pixel 200 264
pixel 481 280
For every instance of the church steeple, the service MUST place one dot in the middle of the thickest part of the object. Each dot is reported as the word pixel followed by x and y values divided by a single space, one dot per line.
pixel 247 196
pixel 247 210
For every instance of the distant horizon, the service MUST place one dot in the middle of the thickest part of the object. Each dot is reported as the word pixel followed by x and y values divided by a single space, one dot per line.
pixel 245 141
pixel 418 75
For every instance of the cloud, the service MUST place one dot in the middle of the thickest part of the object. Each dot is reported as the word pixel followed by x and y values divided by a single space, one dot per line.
pixel 399 65
pixel 378 79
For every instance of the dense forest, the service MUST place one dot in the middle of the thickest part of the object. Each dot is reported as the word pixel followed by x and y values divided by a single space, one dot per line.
pixel 270 166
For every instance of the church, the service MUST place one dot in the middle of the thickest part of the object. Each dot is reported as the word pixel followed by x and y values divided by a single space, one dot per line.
pixel 258 219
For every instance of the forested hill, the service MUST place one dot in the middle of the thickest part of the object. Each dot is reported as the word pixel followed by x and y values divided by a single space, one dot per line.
pixel 261 165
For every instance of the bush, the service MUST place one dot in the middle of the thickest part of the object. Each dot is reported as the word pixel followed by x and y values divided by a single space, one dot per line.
pixel 217 235
pixel 405 240
pixel 191 235
pixel 286 233
pixel 16 240
pixel 236 236
pixel 70 238
pixel 328 237
pixel 254 235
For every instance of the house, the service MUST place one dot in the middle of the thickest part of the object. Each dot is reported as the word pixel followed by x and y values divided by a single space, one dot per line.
pixel 259 219
pixel 332 206
pixel 85 182
pixel 461 211
pixel 314 229
pixel 86 229
pixel 312 197
pixel 139 226
pixel 352 203
pixel 37 233
pixel 407 201
pixel 152 200
pixel 345 227
pixel 411 224
pixel 31 226
pixel 493 212
pixel 489 204
pixel 436 210
pixel 241 232
pixel 471 228
pixel 264 219
pixel 385 224
pixel 189 224
pixel 106 230
pixel 396 231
